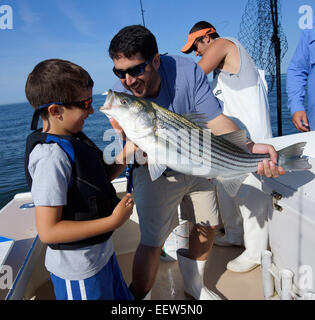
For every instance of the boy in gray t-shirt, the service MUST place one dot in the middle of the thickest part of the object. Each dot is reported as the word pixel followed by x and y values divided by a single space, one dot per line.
pixel 76 205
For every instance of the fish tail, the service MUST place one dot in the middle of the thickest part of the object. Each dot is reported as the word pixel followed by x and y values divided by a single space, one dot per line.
pixel 290 158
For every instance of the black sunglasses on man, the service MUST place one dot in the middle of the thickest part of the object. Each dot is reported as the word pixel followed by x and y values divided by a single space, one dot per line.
pixel 134 71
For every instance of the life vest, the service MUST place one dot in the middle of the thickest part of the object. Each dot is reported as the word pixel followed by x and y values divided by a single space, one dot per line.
pixel 90 193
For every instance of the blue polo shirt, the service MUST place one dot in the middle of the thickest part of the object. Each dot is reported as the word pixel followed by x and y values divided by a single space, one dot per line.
pixel 301 73
pixel 184 88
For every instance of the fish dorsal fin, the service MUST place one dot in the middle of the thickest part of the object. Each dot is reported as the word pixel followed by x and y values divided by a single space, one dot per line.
pixel 238 138
pixel 200 119
pixel 232 184
pixel 156 170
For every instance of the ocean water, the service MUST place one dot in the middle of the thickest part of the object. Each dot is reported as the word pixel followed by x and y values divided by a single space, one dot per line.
pixel 15 126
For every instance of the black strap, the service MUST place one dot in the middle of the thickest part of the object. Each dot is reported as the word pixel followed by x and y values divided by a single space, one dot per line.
pixel 35 120
pixel 129 172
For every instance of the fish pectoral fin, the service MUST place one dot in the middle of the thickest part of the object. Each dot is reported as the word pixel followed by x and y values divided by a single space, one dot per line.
pixel 238 138
pixel 156 170
pixel 232 184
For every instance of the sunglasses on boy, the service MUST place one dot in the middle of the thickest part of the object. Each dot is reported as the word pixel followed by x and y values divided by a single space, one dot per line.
pixel 84 104
pixel 134 71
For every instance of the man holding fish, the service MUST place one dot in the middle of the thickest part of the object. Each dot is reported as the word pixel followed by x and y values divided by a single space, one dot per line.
pixel 178 85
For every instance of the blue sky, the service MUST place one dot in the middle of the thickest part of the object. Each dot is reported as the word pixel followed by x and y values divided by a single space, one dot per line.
pixel 80 31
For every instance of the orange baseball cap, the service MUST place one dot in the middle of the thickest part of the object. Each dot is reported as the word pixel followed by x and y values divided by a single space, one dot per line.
pixel 193 36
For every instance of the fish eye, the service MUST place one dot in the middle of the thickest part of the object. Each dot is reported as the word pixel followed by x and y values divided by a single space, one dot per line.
pixel 124 101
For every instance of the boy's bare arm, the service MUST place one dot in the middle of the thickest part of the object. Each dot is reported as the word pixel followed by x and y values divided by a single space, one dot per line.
pixel 51 229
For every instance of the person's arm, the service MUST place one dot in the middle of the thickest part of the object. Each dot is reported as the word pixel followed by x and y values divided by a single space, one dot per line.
pixel 51 229
pixel 51 173
pixel 218 52
pixel 297 75
pixel 222 125
pixel 121 160
pixel 129 149
pixel 266 168
pixel 300 121
pixel 123 157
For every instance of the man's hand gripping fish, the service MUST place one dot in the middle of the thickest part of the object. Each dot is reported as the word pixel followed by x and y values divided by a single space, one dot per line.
pixel 184 143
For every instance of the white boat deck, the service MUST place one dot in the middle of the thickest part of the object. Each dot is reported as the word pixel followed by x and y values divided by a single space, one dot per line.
pixel 26 257
pixel 291 240
pixel 19 225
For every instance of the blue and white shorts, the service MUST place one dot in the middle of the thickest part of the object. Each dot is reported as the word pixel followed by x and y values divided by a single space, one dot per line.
pixel 107 284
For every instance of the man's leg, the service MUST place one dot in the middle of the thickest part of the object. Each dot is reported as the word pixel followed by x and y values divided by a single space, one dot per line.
pixel 254 206
pixel 157 207
pixel 200 242
pixel 231 218
pixel 199 206
pixel 192 263
pixel 145 267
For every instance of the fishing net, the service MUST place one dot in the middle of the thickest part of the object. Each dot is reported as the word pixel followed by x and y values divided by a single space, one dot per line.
pixel 262 35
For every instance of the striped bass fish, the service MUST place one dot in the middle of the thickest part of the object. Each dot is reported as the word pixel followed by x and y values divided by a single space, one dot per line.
pixel 184 144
